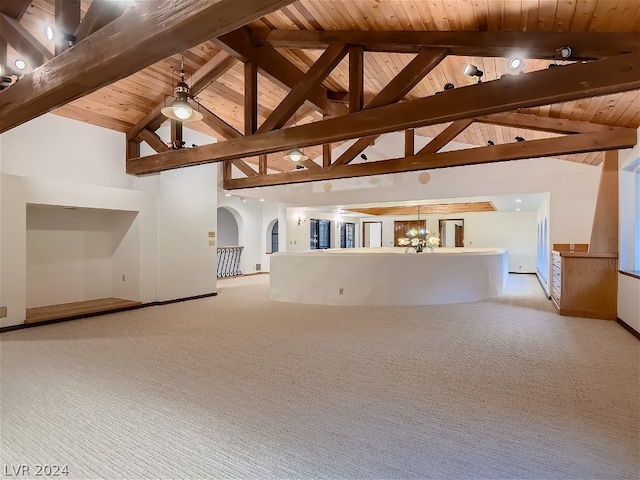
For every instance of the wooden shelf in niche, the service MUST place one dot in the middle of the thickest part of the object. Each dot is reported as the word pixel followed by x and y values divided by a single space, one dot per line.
pixel 78 309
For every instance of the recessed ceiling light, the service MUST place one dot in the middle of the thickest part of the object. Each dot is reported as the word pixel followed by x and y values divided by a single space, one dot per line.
pixel 261 200
pixel 518 209
pixel 227 194
pixel 518 200
pixel 20 64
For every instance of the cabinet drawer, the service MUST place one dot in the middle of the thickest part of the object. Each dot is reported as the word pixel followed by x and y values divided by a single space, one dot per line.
pixel 557 283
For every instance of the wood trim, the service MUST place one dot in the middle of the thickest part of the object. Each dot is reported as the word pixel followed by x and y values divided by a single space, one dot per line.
pixel 588 314
pixel 630 273
pixel 118 50
pixel 616 74
pixel 511 151
pixel 585 46
pixel 629 328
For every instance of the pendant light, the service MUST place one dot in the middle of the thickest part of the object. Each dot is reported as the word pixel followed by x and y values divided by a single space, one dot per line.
pixel 180 109
pixel 296 154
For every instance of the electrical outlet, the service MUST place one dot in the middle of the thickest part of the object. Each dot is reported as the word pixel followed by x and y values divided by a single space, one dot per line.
pixel 3 312
pixel 341 291
pixel 212 243
pixel 124 279
pixel 258 267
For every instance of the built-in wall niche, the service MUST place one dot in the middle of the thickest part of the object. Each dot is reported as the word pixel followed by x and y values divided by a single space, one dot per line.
pixel 79 254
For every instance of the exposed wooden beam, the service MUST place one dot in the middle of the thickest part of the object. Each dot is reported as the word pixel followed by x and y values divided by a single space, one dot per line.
pixel 262 165
pixel 98 15
pixel 118 50
pixel 33 52
pixel 244 168
pixel 275 67
pixel 153 140
pixel 210 71
pixel 176 133
pixel 133 148
pixel 154 115
pixel 14 8
pixel 395 90
pixel 448 134
pixel 356 78
pixel 326 155
pixel 584 46
pixel 566 83
pixel 409 142
pixel 297 95
pixel 250 98
pixel 543 124
pixel 218 125
pixel 67 14
pixel 203 77
pixel 579 143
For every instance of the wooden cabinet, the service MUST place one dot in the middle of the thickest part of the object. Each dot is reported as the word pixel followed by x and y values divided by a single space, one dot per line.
pixel 585 284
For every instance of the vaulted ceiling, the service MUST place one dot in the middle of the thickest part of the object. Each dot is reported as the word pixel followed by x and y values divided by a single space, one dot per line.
pixel 296 37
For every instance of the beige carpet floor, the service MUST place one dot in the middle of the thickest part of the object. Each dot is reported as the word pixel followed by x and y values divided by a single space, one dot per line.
pixel 237 386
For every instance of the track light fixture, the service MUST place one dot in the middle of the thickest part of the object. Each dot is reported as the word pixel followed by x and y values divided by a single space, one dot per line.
pixel 19 64
pixel 519 139
pixel 180 109
pixel 564 52
pixel 473 71
pixel 52 32
pixel 490 143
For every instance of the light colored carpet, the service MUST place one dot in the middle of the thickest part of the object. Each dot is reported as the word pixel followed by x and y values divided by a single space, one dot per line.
pixel 239 386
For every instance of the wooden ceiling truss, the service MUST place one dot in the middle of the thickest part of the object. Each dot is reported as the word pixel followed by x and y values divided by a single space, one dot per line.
pixel 462 106
pixel 109 47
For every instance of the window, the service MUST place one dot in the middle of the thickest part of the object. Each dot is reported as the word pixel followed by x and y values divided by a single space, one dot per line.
pixel 347 235
pixel 274 238
pixel 320 236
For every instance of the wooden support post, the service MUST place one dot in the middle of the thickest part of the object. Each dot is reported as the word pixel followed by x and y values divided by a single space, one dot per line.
pixel 326 155
pixel 356 78
pixel 133 149
pixel 262 164
pixel 250 98
pixel 176 134
pixel 409 140
pixel 226 171
pixel 604 232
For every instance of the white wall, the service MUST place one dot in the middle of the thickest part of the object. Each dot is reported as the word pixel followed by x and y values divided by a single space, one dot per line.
pixel 69 255
pixel 159 242
pixel 298 232
pixel 629 235
pixel 227 228
pixel 515 231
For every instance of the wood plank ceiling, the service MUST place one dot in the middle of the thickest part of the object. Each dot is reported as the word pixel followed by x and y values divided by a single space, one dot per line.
pixel 121 105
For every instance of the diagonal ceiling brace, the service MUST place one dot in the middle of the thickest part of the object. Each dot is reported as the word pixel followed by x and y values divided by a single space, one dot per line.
pixel 566 83
pixel 400 86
